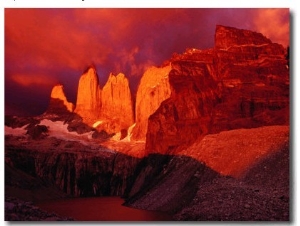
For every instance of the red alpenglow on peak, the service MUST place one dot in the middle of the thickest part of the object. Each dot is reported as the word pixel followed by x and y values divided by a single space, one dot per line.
pixel 88 104
pixel 241 83
pixel 117 107
pixel 226 37
pixel 58 101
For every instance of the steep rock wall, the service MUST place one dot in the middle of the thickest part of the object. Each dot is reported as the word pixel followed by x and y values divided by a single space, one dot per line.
pixel 153 89
pixel 74 168
pixel 88 104
pixel 117 107
pixel 241 83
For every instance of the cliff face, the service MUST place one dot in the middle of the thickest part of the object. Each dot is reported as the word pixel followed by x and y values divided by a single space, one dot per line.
pixel 75 169
pixel 58 102
pixel 241 83
pixel 255 83
pixel 88 104
pixel 198 113
pixel 153 89
pixel 117 108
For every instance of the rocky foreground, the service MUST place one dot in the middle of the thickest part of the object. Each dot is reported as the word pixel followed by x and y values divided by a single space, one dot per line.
pixel 19 210
pixel 190 190
pixel 180 185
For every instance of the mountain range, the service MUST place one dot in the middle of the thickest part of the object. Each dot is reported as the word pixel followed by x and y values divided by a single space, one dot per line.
pixel 205 138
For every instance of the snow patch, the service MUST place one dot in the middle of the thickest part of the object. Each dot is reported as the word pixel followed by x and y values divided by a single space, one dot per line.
pixel 129 133
pixel 20 131
pixel 97 124
pixel 60 130
pixel 116 137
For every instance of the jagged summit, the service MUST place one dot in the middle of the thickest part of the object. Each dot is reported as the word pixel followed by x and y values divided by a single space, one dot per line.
pixel 117 107
pixel 58 101
pixel 215 124
pixel 241 82
pixel 120 76
pixel 229 36
pixel 88 103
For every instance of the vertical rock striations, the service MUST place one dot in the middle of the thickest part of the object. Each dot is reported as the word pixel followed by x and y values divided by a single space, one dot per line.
pixel 153 89
pixel 117 108
pixel 88 103
pixel 187 113
pixel 241 83
pixel 254 80
pixel 75 169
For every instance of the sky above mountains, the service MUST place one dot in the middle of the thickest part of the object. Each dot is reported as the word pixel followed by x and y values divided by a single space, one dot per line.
pixel 44 47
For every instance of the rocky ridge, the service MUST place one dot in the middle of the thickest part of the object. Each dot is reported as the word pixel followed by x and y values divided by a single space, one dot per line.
pixel 242 82
pixel 238 84
pixel 195 111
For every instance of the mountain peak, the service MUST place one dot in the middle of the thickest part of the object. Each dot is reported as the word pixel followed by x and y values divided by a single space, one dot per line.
pixel 88 95
pixel 116 78
pixel 117 103
pixel 58 100
pixel 226 37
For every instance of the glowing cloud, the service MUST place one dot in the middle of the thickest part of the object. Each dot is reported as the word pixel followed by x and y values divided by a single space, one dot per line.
pixel 28 80
pixel 273 23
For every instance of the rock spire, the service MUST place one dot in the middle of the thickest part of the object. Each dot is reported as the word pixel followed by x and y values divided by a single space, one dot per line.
pixel 58 101
pixel 88 104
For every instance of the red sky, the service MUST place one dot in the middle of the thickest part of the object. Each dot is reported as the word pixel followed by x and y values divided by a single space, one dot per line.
pixel 44 47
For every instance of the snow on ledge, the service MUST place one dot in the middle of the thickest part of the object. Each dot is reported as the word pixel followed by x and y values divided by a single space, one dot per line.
pixel 60 130
pixel 97 124
pixel 117 136
pixel 20 131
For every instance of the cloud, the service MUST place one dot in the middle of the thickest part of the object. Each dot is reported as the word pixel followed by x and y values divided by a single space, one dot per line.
pixel 29 80
pixel 43 46
pixel 274 24
pixel 52 36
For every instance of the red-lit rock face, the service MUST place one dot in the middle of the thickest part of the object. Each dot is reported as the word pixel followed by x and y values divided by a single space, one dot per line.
pixel 154 88
pixel 88 104
pixel 58 101
pixel 241 83
pixel 117 108
pixel 226 37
